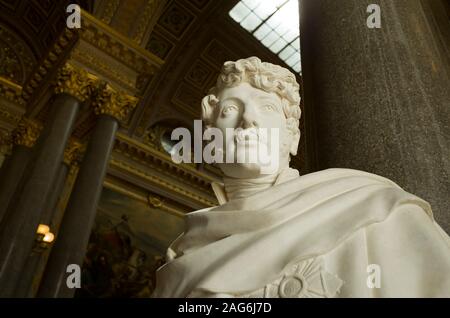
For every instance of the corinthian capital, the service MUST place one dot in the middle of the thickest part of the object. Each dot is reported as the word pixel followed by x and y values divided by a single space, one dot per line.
pixel 114 103
pixel 75 81
pixel 26 132
pixel 73 152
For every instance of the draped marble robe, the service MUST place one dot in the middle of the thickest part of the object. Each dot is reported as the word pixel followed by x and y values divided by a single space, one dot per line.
pixel 311 236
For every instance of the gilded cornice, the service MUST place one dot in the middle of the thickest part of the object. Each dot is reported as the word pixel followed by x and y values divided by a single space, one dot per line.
pixel 163 204
pixel 143 161
pixel 160 203
pixel 26 132
pixel 75 81
pixel 164 183
pixel 145 152
pixel 109 101
pixel 138 64
pixel 73 152
pixel 117 45
pixel 54 57
pixel 96 63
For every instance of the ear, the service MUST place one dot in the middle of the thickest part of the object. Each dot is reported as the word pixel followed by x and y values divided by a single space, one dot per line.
pixel 295 139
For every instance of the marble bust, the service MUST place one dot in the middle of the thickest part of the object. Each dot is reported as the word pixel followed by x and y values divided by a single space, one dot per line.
pixel 332 233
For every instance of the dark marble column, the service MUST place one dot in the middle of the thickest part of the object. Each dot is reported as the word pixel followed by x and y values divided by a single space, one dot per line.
pixel 22 218
pixel 12 172
pixel 378 99
pixel 29 272
pixel 23 138
pixel 5 149
pixel 72 239
pixel 18 229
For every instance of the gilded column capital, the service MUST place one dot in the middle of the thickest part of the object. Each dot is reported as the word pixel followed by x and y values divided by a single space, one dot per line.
pixel 26 132
pixel 73 152
pixel 113 102
pixel 75 81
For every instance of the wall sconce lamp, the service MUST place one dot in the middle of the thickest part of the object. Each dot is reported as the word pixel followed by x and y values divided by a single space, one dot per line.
pixel 43 236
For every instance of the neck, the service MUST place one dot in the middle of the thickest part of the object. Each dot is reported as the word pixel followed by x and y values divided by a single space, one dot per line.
pixel 237 188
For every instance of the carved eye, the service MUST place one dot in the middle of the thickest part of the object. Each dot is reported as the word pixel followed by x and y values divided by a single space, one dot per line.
pixel 269 108
pixel 229 109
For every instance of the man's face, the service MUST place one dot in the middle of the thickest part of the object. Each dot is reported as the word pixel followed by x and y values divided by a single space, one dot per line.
pixel 246 108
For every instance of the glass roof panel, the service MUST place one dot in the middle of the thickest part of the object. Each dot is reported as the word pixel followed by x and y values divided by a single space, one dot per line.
pixel 251 22
pixel 275 23
pixel 239 12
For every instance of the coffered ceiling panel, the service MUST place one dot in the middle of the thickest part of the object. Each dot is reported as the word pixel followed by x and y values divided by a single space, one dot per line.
pixel 38 21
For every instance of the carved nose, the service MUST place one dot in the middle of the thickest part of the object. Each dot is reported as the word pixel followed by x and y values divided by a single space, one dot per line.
pixel 249 124
pixel 249 118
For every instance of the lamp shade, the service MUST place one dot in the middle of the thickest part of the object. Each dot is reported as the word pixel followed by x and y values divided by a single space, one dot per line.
pixel 49 237
pixel 43 229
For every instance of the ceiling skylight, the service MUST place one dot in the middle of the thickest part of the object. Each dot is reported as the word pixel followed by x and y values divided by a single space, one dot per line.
pixel 275 23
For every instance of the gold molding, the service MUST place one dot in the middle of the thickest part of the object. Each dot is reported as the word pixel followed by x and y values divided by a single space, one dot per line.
pixel 105 39
pixel 47 64
pixel 112 102
pixel 27 132
pixel 73 152
pixel 75 81
pixel 11 91
pixel 93 62
pixel 133 170
pixel 156 168
pixel 114 186
pixel 147 150
pixel 128 51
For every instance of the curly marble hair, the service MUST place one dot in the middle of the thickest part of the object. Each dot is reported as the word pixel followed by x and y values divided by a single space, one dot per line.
pixel 266 76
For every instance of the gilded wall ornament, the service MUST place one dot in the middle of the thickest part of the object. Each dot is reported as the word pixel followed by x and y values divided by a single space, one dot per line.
pixel 26 133
pixel 73 152
pixel 155 201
